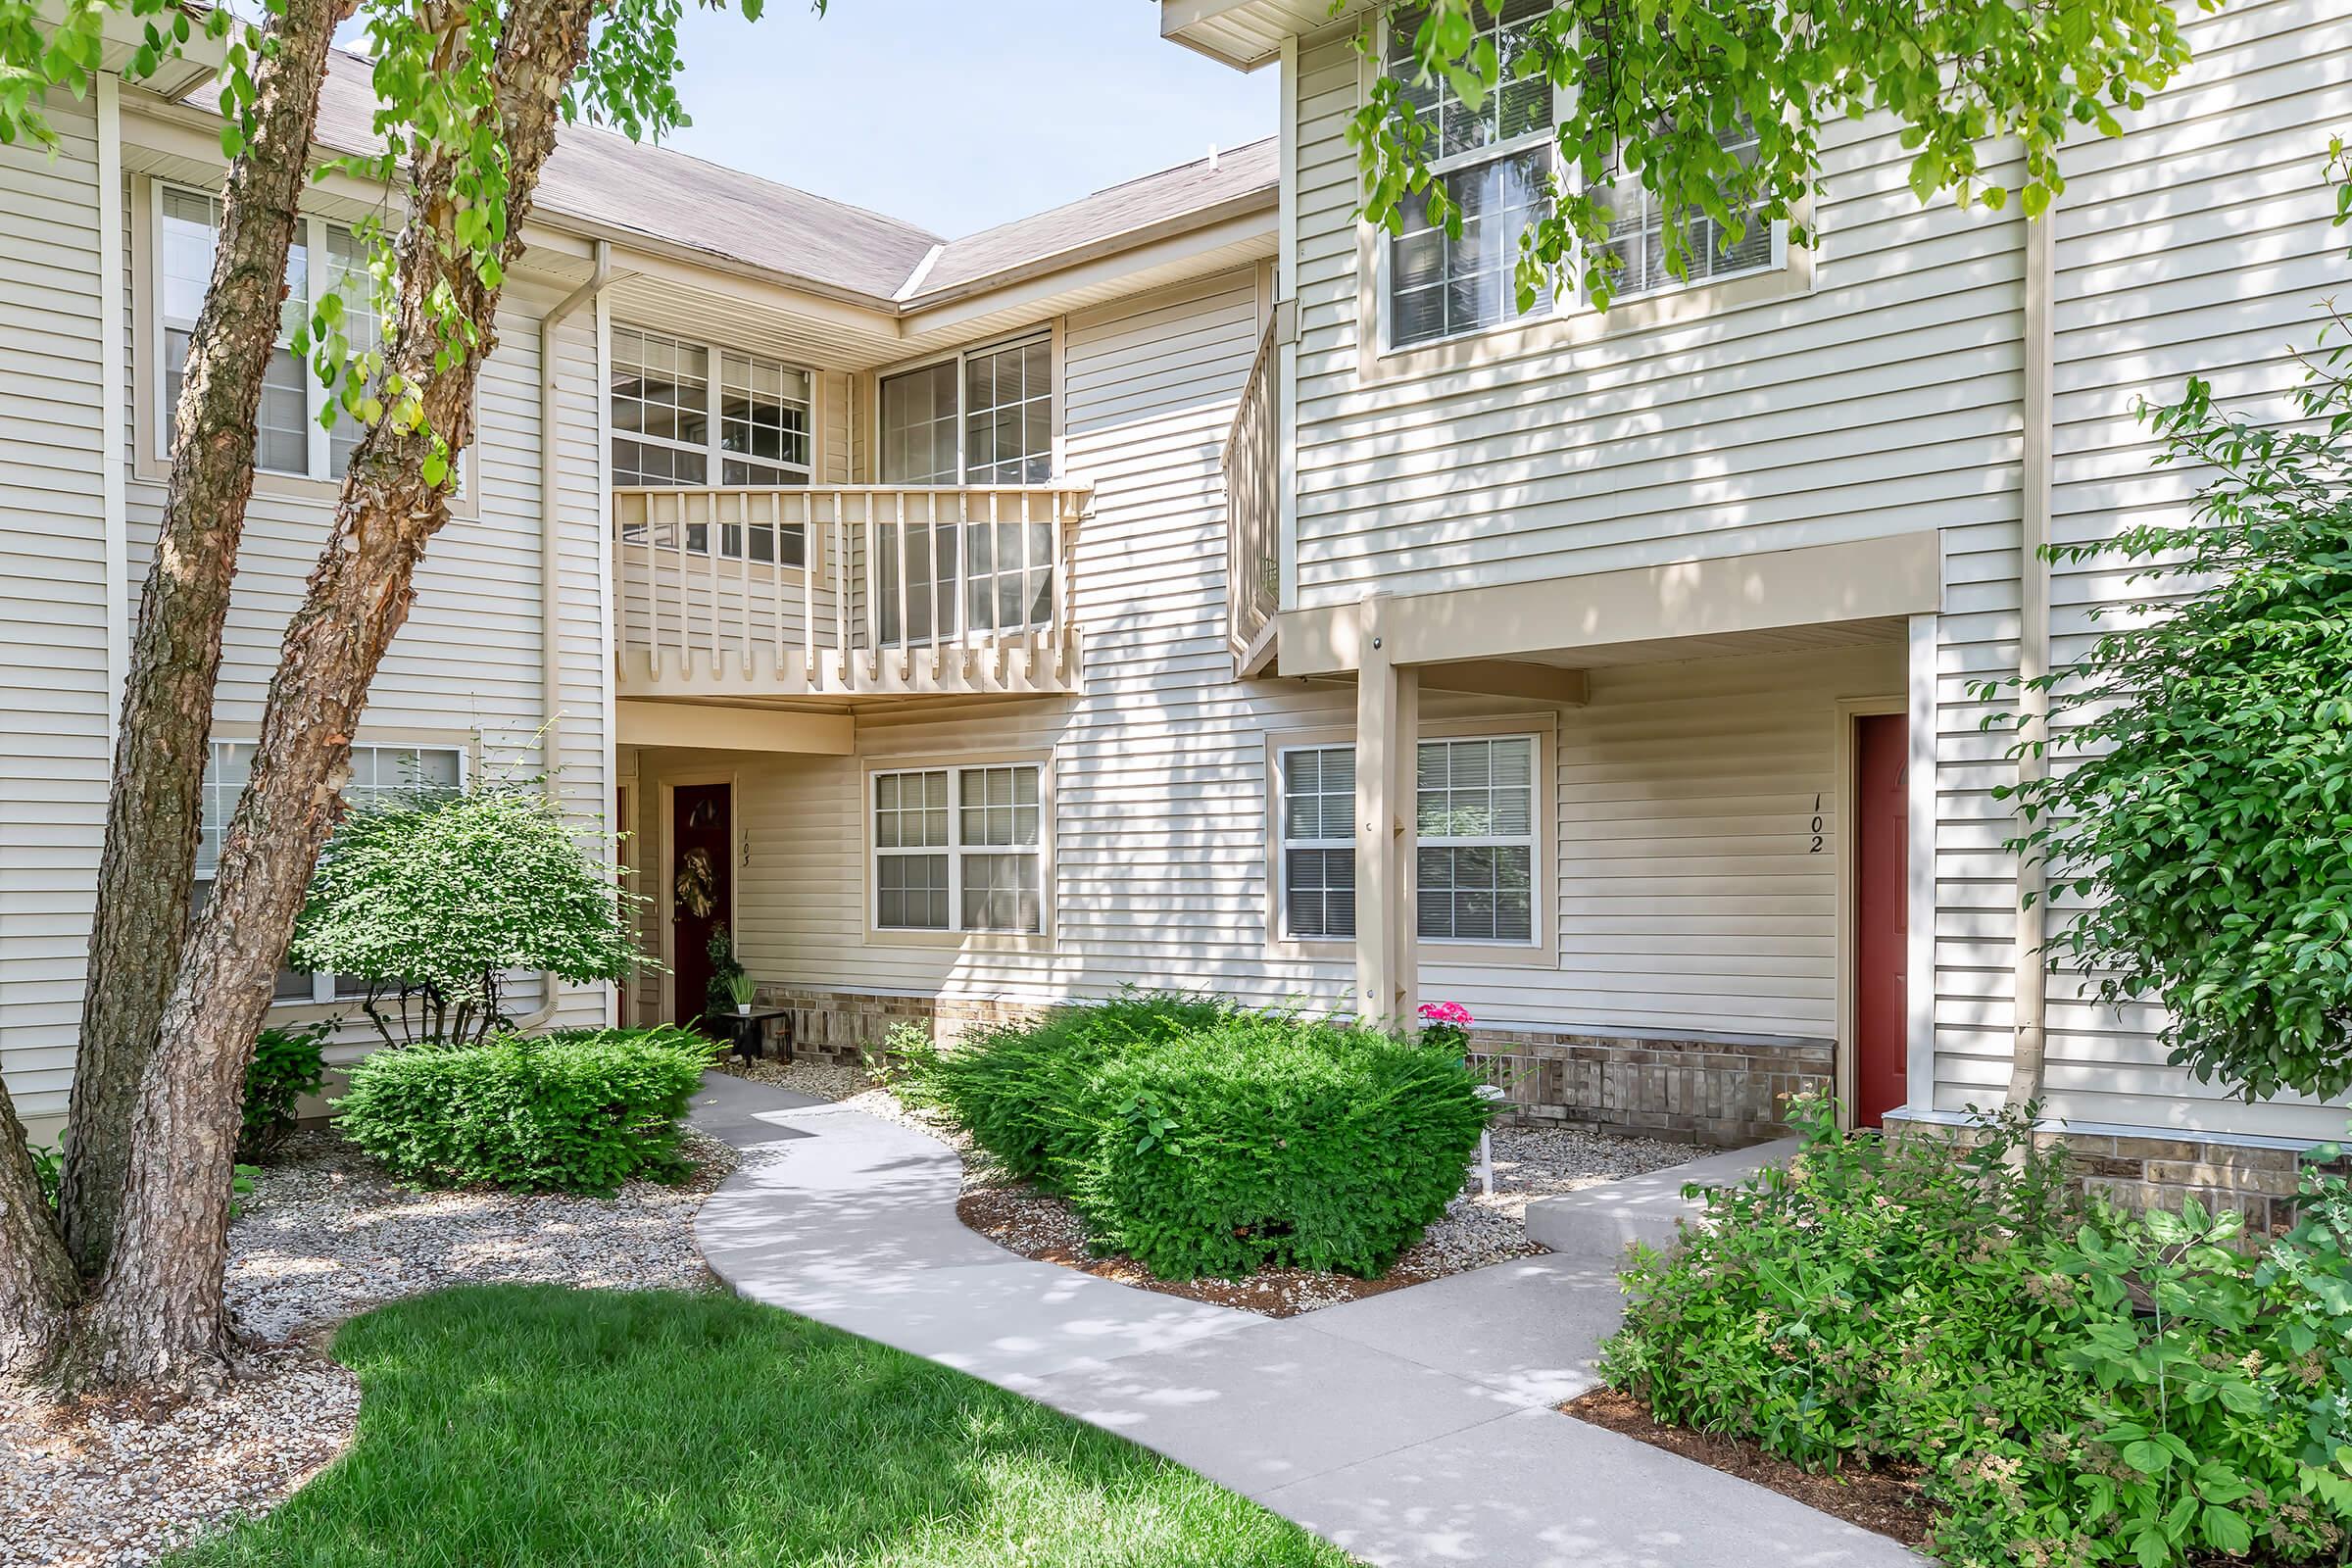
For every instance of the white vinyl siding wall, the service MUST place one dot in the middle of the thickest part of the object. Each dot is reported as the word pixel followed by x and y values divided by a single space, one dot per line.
pixel 1685 896
pixel 52 676
pixel 1707 437
pixel 2198 244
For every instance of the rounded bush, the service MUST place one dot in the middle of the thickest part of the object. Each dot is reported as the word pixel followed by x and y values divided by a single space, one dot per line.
pixel 1200 1139
pixel 1265 1141
pixel 577 1111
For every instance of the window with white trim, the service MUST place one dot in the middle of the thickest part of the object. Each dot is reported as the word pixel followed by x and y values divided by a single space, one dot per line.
pixel 1476 830
pixel 959 848
pixel 378 774
pixel 985 416
pixel 1493 160
pixel 702 414
pixel 330 258
pixel 1638 231
pixel 1474 827
pixel 1318 842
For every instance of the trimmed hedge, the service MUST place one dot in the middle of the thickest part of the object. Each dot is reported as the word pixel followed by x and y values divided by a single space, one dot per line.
pixel 574 1111
pixel 1199 1138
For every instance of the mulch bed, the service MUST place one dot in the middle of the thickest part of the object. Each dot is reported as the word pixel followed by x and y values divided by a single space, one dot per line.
pixel 1886 1501
pixel 1045 1229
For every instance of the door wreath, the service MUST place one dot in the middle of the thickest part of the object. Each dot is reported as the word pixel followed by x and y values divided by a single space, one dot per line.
pixel 698 884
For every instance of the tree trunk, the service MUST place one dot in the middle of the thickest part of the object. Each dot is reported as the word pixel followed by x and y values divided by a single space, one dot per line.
pixel 159 1314
pixel 37 1282
pixel 151 817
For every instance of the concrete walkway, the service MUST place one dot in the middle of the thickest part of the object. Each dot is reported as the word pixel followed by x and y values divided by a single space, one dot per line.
pixel 1410 1428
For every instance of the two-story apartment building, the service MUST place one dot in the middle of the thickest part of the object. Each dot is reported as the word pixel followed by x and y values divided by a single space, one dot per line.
pixel 1193 586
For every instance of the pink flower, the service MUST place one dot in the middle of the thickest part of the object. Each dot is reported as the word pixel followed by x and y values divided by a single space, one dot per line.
pixel 1452 1012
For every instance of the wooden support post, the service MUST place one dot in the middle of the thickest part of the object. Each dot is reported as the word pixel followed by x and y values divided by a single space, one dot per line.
pixel 1388 708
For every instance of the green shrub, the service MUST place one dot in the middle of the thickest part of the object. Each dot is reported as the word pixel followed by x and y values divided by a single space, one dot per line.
pixel 1023 1091
pixel 1264 1142
pixel 287 1065
pixel 1203 1140
pixel 579 1110
pixel 2100 1389
pixel 438 900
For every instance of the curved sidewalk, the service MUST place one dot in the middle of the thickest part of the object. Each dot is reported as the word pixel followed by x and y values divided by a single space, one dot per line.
pixel 1409 1428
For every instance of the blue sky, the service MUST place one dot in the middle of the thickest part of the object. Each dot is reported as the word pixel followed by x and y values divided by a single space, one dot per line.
pixel 958 114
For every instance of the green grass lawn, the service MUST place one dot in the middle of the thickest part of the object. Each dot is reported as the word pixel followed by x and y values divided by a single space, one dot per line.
pixel 504 1427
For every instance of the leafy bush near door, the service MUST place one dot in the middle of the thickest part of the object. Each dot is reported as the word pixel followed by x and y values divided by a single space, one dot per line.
pixel 1202 1138
pixel 2076 1387
pixel 579 1110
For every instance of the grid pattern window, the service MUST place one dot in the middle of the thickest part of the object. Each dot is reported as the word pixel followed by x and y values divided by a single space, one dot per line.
pixel 187 233
pixel 979 866
pixel 1009 415
pixel 983 417
pixel 911 850
pixel 986 417
pixel 1638 230
pixel 378 774
pixel 347 276
pixel 698 413
pixel 1494 159
pixel 1475 820
pixel 1318 842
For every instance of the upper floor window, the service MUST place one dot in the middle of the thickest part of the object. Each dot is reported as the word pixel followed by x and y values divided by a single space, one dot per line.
pixel 695 414
pixel 1493 159
pixel 985 416
pixel 289 437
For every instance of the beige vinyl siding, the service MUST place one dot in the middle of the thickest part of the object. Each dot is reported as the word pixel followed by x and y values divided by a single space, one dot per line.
pixel 1898 372
pixel 1685 895
pixel 465 670
pixel 53 679
pixel 2198 244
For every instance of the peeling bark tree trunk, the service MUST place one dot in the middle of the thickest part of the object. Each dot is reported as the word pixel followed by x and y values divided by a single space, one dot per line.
pixel 152 816
pixel 37 1282
pixel 159 1314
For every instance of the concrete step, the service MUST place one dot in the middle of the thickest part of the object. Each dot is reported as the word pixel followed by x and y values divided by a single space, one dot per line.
pixel 1600 1222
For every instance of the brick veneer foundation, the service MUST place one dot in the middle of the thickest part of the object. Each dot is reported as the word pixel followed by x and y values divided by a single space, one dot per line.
pixel 2142 1170
pixel 1725 1091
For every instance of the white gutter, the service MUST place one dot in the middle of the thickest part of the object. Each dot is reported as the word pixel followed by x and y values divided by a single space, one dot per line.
pixel 2029 983
pixel 114 396
pixel 551 544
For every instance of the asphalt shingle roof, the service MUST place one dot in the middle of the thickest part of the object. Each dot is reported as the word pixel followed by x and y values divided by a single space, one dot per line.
pixel 599 176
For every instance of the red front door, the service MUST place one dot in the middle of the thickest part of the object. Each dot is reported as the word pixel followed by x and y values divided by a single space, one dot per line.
pixel 701 883
pixel 1882 841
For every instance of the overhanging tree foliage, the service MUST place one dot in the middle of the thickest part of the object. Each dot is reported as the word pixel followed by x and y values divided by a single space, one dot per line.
pixel 469 95
pixel 435 900
pixel 1658 91
pixel 2200 797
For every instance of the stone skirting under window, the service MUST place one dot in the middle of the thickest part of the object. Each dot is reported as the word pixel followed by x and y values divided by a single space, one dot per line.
pixel 1725 1091
pixel 2137 1170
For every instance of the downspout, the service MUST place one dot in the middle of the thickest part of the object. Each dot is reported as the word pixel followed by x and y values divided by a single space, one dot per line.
pixel 113 398
pixel 2028 1048
pixel 550 543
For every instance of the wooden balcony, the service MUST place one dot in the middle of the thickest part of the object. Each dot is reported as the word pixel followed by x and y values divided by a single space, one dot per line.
pixel 1252 500
pixel 845 592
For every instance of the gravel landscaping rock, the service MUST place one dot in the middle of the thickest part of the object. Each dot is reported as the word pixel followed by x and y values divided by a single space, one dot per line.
pixel 324 1236
pixel 1477 1230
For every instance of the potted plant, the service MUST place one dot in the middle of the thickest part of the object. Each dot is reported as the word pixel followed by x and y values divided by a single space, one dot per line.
pixel 1446 1026
pixel 742 990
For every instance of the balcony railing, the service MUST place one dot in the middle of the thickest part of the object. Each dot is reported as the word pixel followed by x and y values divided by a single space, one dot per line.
pixel 844 590
pixel 1252 505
